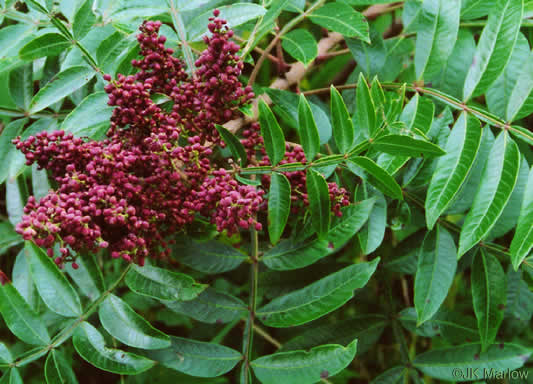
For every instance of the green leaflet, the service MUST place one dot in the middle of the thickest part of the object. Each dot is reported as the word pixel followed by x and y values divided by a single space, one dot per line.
pixel 319 201
pixel 272 134
pixel 57 369
pixel 497 183
pixel 90 118
pixel 366 110
pixel 403 145
pixel 234 145
pixel 342 18
pixel 437 28
pixel 499 94
pixel 395 375
pixel 125 325
pixel 162 284
pixel 197 358
pixel 49 44
pixel 453 168
pixel 437 263
pixel 317 299
pixel 21 86
pixel 23 282
pixel 12 376
pixel 52 285
pixel 521 92
pixel 279 204
pixel 494 47
pixel 301 367
pixel 211 306
pixel 291 254
pixel 21 320
pixel 488 295
pixel 377 176
pixel 84 20
pixel 301 45
pixel 307 129
pixel 63 84
pixel 367 329
pixel 88 277
pixel 523 238
pixel 90 345
pixel 207 256
pixel 343 131
pixel 444 363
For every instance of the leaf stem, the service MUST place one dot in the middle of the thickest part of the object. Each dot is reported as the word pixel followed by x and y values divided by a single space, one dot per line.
pixel 67 332
pixel 249 329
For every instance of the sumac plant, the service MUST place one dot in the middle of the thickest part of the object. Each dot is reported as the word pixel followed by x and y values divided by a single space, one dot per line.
pixel 277 192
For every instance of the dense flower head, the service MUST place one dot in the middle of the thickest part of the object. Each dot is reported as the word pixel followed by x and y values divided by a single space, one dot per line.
pixel 155 171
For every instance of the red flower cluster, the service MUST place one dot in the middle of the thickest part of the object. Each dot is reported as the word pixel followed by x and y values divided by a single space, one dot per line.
pixel 155 171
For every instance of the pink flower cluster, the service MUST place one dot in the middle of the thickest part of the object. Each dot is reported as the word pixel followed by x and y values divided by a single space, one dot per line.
pixel 155 171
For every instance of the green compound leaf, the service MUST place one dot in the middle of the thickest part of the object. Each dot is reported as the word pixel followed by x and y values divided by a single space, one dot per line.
pixel 319 202
pixel 488 295
pixel 453 168
pixel 272 134
pixel 301 45
pixel 457 363
pixel 49 44
pixel 301 367
pixel 318 299
pixel 162 284
pixel 207 256
pixel 21 320
pixel 437 262
pixel 437 29
pixel 307 129
pixel 125 325
pixel 197 358
pixel 90 345
pixel 62 85
pixel 497 183
pixel 57 370
pixel 343 131
pixel 494 47
pixel 340 17
pixel 279 205
pixel 291 254
pixel 523 238
pixel 52 285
